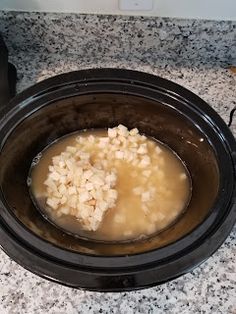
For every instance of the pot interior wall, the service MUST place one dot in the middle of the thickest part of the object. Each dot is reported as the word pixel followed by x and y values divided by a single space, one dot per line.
pixel 99 111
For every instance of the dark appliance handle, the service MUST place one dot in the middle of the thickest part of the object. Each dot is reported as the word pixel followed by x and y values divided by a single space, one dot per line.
pixel 8 76
pixel 231 116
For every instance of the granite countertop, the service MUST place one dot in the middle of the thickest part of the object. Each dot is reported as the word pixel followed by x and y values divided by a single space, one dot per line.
pixel 209 288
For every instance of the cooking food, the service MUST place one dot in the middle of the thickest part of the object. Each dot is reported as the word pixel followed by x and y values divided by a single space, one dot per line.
pixel 113 184
pixel 96 98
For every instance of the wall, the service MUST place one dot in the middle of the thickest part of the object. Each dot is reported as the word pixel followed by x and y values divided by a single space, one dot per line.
pixel 205 9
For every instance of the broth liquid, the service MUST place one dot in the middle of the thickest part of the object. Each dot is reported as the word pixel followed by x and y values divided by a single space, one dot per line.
pixel 131 218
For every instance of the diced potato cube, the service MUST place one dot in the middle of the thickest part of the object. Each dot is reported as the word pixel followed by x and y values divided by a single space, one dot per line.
pixel 145 208
pixel 138 190
pixel 119 154
pixel 54 176
pixel 145 161
pixel 84 197
pixel 91 139
pixel 112 133
pixel 65 210
pixel 72 190
pixel 127 233
pixel 122 130
pixel 118 218
pixel 53 202
pixel 147 173
pixel 146 196
pixel 151 228
pixel 183 176
pixel 133 131
pixel 158 150
pixel 71 149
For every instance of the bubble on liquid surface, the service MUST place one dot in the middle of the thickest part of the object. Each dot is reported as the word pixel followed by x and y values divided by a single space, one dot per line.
pixel 36 159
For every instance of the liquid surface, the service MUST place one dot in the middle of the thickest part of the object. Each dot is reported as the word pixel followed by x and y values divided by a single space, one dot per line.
pixel 136 213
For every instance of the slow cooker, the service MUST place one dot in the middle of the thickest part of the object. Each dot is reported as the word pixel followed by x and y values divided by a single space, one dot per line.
pixel 100 98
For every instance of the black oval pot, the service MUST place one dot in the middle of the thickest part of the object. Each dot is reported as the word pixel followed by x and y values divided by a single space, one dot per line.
pixel 104 98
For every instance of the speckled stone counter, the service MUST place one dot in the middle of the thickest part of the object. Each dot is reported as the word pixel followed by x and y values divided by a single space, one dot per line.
pixel 209 288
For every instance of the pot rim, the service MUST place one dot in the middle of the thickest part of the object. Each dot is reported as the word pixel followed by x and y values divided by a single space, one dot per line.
pixel 80 79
